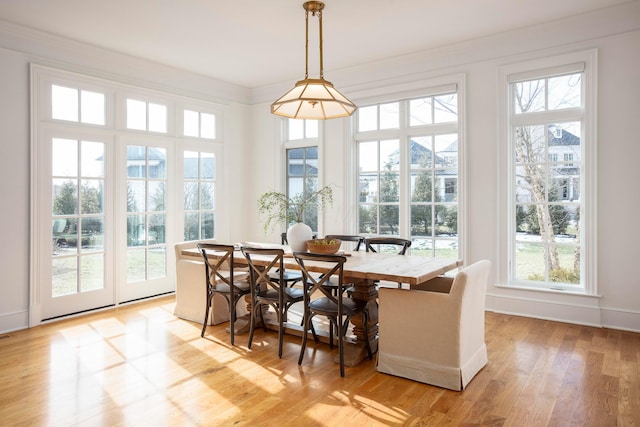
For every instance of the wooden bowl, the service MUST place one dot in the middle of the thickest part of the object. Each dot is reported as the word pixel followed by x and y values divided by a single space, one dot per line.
pixel 323 246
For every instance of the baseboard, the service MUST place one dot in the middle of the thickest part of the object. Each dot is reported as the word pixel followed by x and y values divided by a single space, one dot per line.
pixel 15 321
pixel 603 317
pixel 625 320
pixel 580 313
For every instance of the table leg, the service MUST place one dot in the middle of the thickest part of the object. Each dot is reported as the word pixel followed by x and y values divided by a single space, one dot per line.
pixel 365 290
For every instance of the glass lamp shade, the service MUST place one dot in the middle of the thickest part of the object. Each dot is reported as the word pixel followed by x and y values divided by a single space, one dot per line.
pixel 313 99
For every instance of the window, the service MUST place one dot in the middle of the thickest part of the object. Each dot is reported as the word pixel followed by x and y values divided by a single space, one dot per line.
pixel 114 171
pixel 77 105
pixel 550 146
pixel 408 160
pixel 77 260
pixel 199 125
pixel 146 212
pixel 147 116
pixel 199 195
pixel 301 129
pixel 302 163
pixel 302 178
pixel 568 157
pixel 379 168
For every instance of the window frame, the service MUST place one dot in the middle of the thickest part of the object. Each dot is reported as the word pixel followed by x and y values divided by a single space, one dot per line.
pixel 198 147
pixel 305 142
pixel 116 136
pixel 427 87
pixel 536 69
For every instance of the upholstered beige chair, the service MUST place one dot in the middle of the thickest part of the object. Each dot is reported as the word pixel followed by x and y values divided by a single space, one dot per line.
pixel 435 334
pixel 191 290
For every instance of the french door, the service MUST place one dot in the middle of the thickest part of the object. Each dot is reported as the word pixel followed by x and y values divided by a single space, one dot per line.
pixel 76 248
pixel 143 195
pixel 118 175
pixel 105 215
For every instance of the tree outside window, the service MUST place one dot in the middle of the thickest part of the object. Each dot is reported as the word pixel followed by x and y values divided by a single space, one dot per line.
pixel 546 196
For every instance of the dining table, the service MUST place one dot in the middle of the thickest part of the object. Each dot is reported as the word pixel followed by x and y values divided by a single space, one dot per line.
pixel 366 271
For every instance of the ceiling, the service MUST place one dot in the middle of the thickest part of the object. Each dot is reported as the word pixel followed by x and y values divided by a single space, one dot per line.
pixel 254 43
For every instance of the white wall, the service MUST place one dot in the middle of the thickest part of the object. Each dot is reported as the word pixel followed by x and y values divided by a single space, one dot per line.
pixel 253 156
pixel 14 191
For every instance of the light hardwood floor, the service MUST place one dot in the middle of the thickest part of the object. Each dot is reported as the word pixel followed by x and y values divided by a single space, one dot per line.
pixel 140 366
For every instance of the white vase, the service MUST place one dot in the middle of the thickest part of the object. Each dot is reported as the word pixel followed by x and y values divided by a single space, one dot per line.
pixel 297 236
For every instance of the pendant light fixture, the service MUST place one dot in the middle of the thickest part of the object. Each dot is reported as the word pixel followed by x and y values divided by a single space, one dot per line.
pixel 313 98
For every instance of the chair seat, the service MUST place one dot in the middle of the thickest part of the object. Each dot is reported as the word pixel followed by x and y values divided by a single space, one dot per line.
pixel 237 275
pixel 287 276
pixel 239 281
pixel 292 275
pixel 294 293
pixel 325 307
pixel 272 294
pixel 334 287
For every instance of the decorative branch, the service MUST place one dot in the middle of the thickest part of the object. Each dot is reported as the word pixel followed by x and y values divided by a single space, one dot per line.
pixel 277 208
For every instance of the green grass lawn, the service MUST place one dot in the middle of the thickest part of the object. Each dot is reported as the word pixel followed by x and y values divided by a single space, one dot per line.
pixel 142 264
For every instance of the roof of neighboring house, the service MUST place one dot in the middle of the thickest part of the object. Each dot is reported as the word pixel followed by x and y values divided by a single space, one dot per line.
pixel 567 138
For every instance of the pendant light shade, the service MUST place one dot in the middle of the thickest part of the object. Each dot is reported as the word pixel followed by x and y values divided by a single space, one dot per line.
pixel 313 98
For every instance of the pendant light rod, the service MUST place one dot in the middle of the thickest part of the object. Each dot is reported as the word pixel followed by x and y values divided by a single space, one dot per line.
pixel 315 7
pixel 315 99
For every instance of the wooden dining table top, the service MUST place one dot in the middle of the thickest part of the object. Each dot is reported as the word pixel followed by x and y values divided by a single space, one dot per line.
pixel 410 269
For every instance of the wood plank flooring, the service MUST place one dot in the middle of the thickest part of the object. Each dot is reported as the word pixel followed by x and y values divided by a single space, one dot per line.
pixel 140 366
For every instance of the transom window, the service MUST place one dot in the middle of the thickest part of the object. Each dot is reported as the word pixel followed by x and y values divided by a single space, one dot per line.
pixel 77 105
pixel 199 125
pixel 301 129
pixel 147 116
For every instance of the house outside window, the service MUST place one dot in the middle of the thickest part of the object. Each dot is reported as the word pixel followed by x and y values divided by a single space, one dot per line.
pixel 408 178
pixel 302 163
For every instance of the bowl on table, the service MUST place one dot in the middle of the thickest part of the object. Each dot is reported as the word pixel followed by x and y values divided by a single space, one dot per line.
pixel 324 246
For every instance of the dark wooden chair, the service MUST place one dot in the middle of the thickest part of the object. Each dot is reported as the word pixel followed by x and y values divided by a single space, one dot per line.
pixel 400 244
pixel 358 240
pixel 338 307
pixel 289 277
pixel 284 241
pixel 266 291
pixel 222 279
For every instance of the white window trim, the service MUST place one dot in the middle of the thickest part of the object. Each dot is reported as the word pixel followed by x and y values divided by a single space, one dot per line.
pixel 424 87
pixel 199 145
pixel 542 68
pixel 287 144
pixel 116 92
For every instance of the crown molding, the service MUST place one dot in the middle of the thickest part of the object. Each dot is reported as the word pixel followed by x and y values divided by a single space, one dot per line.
pixel 72 55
